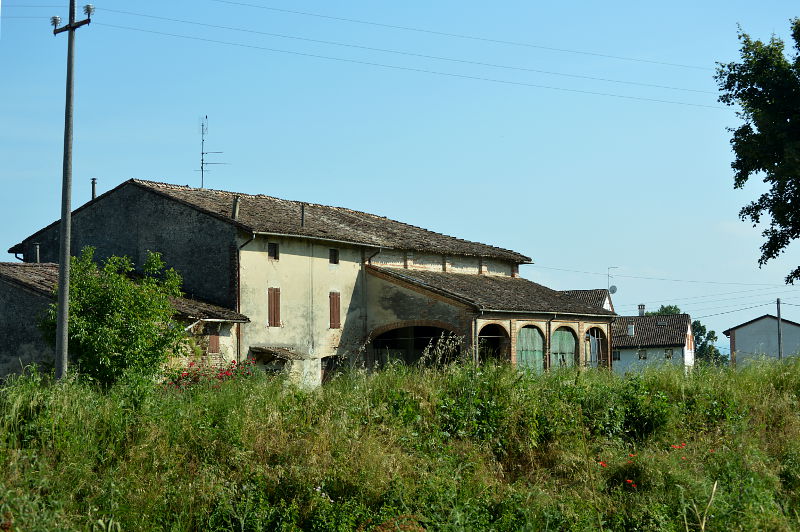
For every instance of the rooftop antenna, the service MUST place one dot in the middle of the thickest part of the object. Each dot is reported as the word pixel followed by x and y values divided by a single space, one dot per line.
pixel 203 152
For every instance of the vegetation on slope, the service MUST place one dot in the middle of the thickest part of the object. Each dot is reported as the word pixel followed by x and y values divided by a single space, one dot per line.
pixel 454 448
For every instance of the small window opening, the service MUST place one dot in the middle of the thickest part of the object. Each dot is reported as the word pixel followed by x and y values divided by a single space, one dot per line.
pixel 273 252
pixel 668 354
pixel 615 355
pixel 642 354
pixel 333 256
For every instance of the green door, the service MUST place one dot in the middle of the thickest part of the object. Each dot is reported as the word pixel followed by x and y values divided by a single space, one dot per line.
pixel 562 349
pixel 530 349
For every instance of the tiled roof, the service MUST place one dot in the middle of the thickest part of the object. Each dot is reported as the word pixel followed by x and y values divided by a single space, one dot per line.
pixel 770 316
pixel 667 330
pixel 596 297
pixel 267 214
pixel 494 292
pixel 43 278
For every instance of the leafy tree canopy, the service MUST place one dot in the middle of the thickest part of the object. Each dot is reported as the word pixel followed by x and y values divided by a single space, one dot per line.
pixel 119 324
pixel 766 86
pixel 704 339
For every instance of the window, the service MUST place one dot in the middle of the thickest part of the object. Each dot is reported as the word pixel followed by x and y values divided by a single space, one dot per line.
pixel 333 256
pixel 272 251
pixel 335 302
pixel 615 354
pixel 642 354
pixel 274 307
pixel 668 354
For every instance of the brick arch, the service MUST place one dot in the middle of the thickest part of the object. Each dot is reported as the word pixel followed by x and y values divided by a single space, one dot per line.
pixel 377 331
pixel 499 323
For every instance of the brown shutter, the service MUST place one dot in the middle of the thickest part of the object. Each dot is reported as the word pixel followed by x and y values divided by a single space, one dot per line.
pixel 213 343
pixel 274 306
pixel 336 321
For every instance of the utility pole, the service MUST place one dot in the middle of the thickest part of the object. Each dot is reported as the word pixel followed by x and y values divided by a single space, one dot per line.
pixel 780 332
pixel 62 324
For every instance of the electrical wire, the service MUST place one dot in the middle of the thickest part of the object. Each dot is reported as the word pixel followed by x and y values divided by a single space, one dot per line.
pixel 732 311
pixel 410 69
pixel 405 53
pixel 461 36
pixel 762 293
pixel 605 274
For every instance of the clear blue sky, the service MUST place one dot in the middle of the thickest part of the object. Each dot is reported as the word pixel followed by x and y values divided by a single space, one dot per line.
pixel 578 181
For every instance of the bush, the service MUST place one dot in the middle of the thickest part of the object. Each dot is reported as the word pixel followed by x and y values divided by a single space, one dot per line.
pixel 118 324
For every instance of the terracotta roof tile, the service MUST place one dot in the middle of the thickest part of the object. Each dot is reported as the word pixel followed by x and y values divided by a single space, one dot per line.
pixel 666 330
pixel 595 297
pixel 495 292
pixel 267 214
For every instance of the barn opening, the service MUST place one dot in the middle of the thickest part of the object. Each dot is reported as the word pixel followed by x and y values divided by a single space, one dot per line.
pixel 563 348
pixel 494 344
pixel 414 345
pixel 596 348
pixel 530 349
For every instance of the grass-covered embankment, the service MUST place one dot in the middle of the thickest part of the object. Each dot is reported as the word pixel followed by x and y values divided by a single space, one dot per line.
pixel 459 448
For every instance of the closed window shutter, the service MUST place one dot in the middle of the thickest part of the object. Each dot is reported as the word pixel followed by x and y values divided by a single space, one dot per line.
pixel 335 312
pixel 274 306
pixel 213 343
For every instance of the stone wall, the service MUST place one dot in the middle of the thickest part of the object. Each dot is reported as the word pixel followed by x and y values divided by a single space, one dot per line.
pixel 21 341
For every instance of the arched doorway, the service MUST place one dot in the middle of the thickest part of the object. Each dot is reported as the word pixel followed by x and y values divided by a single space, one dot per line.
pixel 413 345
pixel 494 344
pixel 596 348
pixel 530 349
pixel 563 348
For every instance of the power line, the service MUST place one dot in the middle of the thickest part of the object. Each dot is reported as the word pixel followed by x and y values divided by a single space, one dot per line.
pixel 411 69
pixel 761 293
pixel 731 311
pixel 461 36
pixel 656 278
pixel 409 54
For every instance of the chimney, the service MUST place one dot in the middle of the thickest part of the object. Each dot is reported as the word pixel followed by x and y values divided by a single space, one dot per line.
pixel 641 309
pixel 36 247
pixel 631 329
pixel 94 187
pixel 302 215
pixel 236 202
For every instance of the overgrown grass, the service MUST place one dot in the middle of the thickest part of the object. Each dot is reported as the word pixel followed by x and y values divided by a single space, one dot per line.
pixel 455 448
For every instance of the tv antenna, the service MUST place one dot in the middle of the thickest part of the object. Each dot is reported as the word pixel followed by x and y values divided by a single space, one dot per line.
pixel 203 152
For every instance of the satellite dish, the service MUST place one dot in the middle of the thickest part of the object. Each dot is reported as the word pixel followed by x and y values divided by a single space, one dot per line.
pixel 612 289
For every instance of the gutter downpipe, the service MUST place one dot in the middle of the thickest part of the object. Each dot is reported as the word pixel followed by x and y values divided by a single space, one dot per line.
pixel 549 342
pixel 239 296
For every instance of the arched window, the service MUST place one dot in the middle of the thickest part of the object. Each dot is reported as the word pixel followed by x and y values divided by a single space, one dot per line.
pixel 596 348
pixel 563 348
pixel 530 349
pixel 494 344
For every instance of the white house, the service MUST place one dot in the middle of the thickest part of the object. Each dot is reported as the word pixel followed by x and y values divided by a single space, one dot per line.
pixel 641 341
pixel 758 338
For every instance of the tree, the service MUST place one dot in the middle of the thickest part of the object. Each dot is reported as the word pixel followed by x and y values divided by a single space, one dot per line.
pixel 704 340
pixel 119 324
pixel 766 85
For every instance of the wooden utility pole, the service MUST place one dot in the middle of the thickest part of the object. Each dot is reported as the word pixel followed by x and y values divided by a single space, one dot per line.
pixel 65 230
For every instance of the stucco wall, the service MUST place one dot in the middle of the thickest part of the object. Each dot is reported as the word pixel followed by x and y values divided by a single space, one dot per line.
pixel 434 262
pixel 760 339
pixel 629 359
pixel 132 220
pixel 305 278
pixel 21 342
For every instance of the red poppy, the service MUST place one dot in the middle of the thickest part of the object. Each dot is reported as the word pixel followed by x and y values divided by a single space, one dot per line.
pixel 602 464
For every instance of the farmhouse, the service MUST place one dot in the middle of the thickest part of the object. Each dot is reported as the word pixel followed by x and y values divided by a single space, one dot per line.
pixel 26 291
pixel 641 341
pixel 322 283
pixel 758 338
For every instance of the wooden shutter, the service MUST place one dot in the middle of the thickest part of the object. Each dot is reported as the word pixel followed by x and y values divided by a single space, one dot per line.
pixel 274 306
pixel 213 343
pixel 335 300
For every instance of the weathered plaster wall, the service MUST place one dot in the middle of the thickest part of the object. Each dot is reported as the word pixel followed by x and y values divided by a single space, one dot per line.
pixel 760 340
pixel 305 278
pixel 434 262
pixel 22 342
pixel 132 220
pixel 392 305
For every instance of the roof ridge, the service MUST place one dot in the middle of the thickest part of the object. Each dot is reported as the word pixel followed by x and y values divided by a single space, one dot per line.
pixel 170 186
